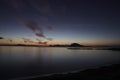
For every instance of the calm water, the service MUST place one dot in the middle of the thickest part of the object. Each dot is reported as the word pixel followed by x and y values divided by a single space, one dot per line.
pixel 29 61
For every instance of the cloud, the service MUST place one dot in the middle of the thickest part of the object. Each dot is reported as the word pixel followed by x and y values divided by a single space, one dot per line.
pixel 32 25
pixel 50 39
pixel 38 39
pixel 44 7
pixel 38 31
pixel 40 35
pixel 10 40
pixel 42 42
pixel 26 40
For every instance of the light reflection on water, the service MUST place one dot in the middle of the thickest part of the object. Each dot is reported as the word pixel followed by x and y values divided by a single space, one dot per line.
pixel 27 61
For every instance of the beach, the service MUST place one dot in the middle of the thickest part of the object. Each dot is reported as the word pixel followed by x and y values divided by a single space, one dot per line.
pixel 103 73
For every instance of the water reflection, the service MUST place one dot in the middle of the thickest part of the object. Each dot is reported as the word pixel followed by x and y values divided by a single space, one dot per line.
pixel 27 61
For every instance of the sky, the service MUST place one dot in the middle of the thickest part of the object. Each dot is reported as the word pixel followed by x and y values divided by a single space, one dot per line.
pixel 88 22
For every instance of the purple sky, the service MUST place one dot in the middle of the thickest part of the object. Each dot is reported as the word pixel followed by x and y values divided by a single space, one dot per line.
pixel 63 21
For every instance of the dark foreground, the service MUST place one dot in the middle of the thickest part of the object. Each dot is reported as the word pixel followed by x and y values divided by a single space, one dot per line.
pixel 102 73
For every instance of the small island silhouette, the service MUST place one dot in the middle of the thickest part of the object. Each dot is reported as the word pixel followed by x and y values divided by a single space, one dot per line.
pixel 76 45
pixel 72 46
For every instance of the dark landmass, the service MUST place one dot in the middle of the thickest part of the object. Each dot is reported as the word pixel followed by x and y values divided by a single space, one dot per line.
pixel 114 49
pixel 22 45
pixel 56 45
pixel 73 46
pixel 76 45
pixel 1 38
pixel 59 45
pixel 103 73
pixel 92 48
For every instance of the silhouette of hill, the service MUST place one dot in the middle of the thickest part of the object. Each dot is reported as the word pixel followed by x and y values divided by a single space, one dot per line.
pixel 76 45
pixel 1 38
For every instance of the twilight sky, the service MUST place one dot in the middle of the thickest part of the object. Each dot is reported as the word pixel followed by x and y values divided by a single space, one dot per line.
pixel 89 22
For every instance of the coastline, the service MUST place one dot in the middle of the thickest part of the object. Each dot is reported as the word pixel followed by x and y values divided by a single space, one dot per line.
pixel 117 48
pixel 103 73
pixel 111 72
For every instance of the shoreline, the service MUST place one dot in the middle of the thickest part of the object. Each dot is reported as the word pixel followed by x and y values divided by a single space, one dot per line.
pixel 102 73
pixel 74 48
pixel 111 72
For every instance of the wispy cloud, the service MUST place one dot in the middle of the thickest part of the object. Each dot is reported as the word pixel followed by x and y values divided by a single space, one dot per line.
pixel 38 31
pixel 49 39
pixel 26 40
pixel 45 9
pixel 40 34
pixel 40 41
pixel 10 40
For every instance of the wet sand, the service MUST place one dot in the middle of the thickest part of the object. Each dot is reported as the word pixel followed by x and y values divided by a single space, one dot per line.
pixel 103 73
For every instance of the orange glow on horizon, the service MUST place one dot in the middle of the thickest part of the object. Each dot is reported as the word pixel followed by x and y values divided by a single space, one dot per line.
pixel 2 42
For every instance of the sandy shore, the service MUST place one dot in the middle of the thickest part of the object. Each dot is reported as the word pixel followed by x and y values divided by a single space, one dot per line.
pixel 103 73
